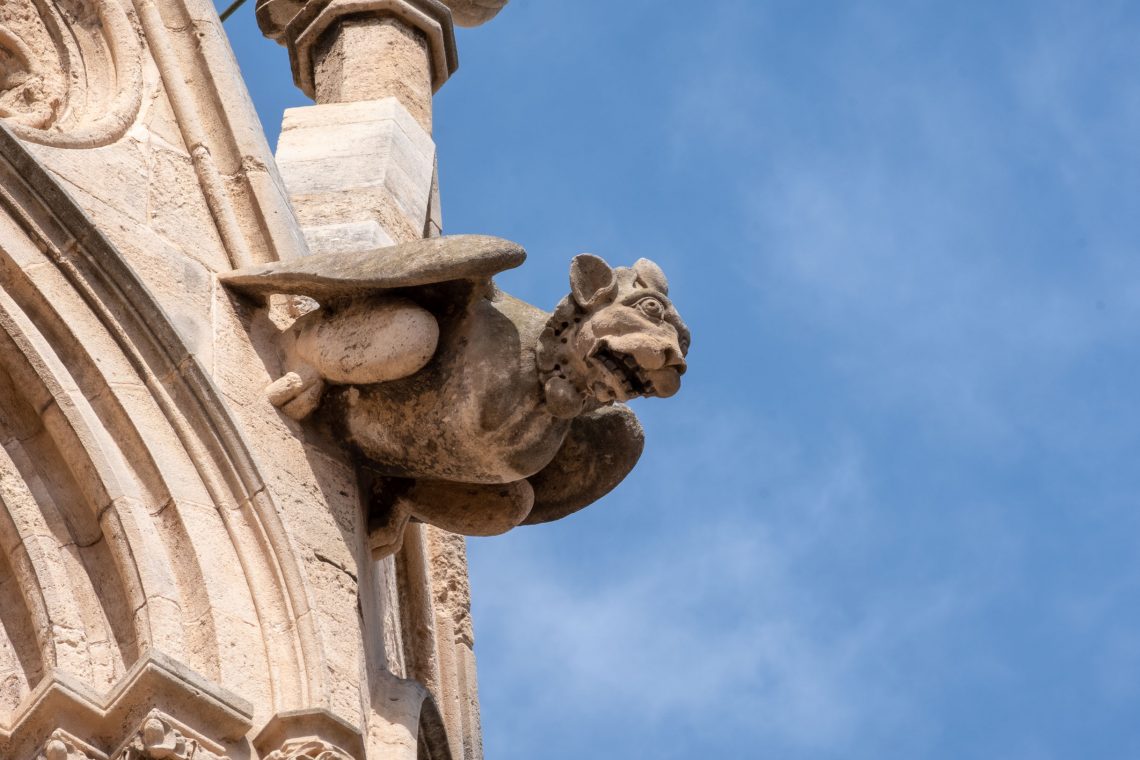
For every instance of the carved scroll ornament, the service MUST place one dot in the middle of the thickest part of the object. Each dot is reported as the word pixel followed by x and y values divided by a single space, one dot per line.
pixel 485 412
pixel 70 71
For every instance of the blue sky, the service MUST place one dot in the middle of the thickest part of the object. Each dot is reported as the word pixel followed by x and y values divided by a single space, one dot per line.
pixel 894 511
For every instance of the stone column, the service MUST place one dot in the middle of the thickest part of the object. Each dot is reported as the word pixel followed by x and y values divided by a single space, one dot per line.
pixel 347 67
pixel 360 164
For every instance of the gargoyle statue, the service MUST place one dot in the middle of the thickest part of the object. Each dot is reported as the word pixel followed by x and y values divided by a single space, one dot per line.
pixel 481 411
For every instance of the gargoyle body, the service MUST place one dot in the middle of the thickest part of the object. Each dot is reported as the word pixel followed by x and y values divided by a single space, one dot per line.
pixel 485 411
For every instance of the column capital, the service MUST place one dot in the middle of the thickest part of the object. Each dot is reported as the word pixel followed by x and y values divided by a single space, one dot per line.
pixel 300 24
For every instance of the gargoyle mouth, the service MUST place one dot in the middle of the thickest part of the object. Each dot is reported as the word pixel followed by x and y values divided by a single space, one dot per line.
pixel 625 373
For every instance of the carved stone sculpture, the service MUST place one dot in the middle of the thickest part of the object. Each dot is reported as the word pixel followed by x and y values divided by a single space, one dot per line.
pixel 158 739
pixel 488 412
pixel 312 749
pixel 63 746
pixel 70 73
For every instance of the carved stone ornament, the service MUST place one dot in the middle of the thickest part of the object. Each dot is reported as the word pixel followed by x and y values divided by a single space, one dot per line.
pixel 485 411
pixel 309 749
pixel 70 71
pixel 64 746
pixel 159 739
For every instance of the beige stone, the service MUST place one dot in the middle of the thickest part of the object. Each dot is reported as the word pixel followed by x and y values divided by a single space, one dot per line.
pixel 375 58
pixel 68 84
pixel 368 343
pixel 357 173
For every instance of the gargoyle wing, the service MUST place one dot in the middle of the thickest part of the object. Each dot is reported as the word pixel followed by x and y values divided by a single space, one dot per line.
pixel 336 276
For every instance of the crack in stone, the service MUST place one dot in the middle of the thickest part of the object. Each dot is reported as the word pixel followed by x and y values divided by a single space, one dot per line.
pixel 335 564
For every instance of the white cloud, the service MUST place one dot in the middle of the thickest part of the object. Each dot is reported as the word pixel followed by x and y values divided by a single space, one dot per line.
pixel 957 247
pixel 952 242
pixel 722 625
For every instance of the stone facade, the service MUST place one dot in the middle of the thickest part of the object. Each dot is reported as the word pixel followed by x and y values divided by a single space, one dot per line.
pixel 199 557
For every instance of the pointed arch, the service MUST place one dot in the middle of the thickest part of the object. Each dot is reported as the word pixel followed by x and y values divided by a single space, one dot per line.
pixel 120 467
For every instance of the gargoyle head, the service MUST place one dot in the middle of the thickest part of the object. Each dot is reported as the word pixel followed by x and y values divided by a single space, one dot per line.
pixel 614 338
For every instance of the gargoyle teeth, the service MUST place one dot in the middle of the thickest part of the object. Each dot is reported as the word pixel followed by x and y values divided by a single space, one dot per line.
pixel 628 375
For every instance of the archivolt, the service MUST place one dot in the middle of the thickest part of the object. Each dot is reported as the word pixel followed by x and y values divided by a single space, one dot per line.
pixel 119 467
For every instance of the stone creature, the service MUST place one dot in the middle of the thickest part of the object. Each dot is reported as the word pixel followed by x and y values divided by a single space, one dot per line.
pixel 481 411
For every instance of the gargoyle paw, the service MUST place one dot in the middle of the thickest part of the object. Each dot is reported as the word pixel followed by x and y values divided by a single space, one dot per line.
pixel 297 393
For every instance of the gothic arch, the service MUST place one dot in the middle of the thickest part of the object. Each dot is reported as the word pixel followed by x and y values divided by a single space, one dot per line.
pixel 120 466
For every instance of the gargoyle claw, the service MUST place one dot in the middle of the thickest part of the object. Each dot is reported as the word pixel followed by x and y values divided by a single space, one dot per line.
pixel 297 393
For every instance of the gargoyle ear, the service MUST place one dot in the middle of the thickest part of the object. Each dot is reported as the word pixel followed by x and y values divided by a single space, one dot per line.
pixel 651 276
pixel 591 280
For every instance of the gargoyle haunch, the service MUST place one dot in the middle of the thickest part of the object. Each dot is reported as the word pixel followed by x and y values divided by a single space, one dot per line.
pixel 485 411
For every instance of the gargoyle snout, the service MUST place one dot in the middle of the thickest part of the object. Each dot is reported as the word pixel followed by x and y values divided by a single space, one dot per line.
pixel 651 355
pixel 667 357
pixel 674 359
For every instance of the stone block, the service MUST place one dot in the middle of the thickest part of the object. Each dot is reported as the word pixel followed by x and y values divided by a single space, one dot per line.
pixel 352 163
pixel 347 237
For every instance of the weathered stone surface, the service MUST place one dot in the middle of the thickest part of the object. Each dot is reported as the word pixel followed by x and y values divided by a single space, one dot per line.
pixel 310 749
pixel 159 738
pixel 368 342
pixel 347 237
pixel 301 24
pixel 64 746
pixel 427 262
pixel 347 68
pixel 496 403
pixel 69 78
pixel 349 167
pixel 309 735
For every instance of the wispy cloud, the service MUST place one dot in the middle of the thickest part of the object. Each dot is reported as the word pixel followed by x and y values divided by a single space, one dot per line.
pixel 951 240
pixel 721 627
pixel 890 512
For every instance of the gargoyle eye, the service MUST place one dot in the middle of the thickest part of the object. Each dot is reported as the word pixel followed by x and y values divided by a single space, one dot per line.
pixel 651 307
